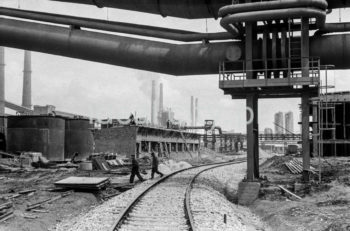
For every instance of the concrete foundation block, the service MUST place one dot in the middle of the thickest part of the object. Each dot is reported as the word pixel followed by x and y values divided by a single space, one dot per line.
pixel 248 192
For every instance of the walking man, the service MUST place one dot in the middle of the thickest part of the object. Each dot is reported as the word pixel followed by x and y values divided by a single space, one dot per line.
pixel 135 170
pixel 155 166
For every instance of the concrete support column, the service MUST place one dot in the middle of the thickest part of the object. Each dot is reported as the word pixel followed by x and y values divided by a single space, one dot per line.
pixel 183 147
pixel 231 145
pixel 225 143
pixel 252 138
pixel 305 114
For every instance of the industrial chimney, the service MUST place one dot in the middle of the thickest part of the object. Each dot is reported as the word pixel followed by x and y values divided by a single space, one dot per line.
pixel 160 111
pixel 2 81
pixel 196 112
pixel 27 81
pixel 153 99
pixel 192 112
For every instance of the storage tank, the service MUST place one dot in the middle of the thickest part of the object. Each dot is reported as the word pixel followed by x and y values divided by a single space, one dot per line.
pixel 43 134
pixel 78 138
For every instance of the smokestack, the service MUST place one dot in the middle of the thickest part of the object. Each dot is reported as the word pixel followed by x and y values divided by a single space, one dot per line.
pixel 196 112
pixel 2 81
pixel 161 97
pixel 27 80
pixel 160 104
pixel 153 99
pixel 192 114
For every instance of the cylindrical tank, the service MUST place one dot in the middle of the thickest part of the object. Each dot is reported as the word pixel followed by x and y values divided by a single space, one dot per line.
pixel 78 138
pixel 43 134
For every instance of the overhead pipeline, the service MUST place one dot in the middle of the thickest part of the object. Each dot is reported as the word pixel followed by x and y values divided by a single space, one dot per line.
pixel 333 28
pixel 272 10
pixel 173 59
pixel 119 27
pixel 191 9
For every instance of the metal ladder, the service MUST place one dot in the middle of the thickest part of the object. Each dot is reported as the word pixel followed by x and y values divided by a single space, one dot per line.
pixel 326 117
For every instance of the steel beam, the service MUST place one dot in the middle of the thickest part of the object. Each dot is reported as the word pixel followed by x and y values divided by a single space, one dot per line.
pixel 305 133
pixel 252 137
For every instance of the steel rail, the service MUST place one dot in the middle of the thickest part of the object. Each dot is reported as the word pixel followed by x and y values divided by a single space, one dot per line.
pixel 123 215
pixel 190 186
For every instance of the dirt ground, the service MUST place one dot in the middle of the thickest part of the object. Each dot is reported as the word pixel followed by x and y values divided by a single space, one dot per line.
pixel 324 206
pixel 49 214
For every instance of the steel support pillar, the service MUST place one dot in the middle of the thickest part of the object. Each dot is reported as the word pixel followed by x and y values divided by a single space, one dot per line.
pixel 305 107
pixel 315 129
pixel 252 138
pixel 149 146
pixel 305 114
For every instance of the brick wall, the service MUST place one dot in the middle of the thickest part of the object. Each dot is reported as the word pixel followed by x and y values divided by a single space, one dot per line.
pixel 121 140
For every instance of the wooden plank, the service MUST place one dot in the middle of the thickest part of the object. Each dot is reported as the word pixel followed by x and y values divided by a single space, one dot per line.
pixel 289 192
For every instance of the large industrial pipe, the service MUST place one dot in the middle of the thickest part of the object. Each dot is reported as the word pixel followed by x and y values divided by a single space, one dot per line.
pixel 179 8
pixel 187 59
pixel 119 27
pixel 333 28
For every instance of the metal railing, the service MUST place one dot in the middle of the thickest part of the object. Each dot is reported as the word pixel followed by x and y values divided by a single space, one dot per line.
pixel 266 69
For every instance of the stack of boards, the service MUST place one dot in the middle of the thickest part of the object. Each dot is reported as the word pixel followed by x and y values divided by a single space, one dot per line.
pixel 83 183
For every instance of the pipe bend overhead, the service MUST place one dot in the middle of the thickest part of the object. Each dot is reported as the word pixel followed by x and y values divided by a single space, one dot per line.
pixel 272 5
pixel 273 10
pixel 276 14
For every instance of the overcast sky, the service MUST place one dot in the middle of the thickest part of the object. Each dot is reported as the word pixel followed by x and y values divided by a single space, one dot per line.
pixel 106 91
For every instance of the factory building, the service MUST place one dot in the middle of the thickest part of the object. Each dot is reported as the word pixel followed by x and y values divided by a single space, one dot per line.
pixel 130 140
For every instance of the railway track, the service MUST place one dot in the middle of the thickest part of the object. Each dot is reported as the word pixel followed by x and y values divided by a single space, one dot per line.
pixel 165 205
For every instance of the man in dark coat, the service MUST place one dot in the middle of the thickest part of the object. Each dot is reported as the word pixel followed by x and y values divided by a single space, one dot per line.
pixel 135 170
pixel 155 166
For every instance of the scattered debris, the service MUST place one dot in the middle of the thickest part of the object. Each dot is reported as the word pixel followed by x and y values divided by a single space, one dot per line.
pixel 27 191
pixel 295 166
pixel 100 163
pixel 83 183
pixel 38 204
pixel 289 192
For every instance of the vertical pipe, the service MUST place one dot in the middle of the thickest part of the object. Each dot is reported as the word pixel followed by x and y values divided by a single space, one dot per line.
pixel 249 49
pixel 305 47
pixel 27 80
pixel 196 113
pixel 153 99
pixel 2 81
pixel 192 116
